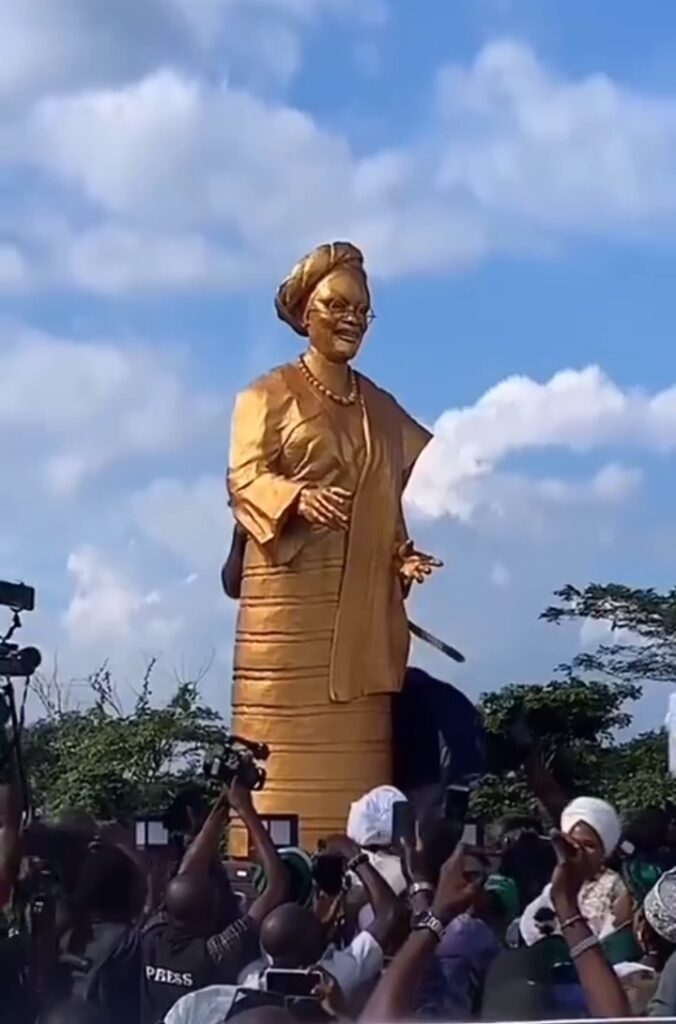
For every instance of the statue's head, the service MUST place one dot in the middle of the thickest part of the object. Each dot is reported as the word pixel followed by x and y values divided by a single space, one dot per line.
pixel 326 299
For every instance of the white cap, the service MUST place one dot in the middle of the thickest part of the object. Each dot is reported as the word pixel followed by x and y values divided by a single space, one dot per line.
pixel 369 822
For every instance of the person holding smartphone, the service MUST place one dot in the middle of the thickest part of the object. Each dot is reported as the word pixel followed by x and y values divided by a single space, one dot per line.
pixel 594 826
pixel 296 961
pixel 293 938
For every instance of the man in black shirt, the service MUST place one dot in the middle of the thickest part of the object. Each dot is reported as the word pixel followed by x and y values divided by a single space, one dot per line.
pixel 101 947
pixel 184 820
pixel 182 950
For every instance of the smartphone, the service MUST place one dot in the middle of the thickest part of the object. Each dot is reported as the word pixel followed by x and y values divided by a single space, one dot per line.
pixel 403 823
pixel 476 868
pixel 328 871
pixel 300 983
pixel 456 802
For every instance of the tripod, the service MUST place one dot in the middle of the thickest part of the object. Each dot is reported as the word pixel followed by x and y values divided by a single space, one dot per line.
pixel 8 713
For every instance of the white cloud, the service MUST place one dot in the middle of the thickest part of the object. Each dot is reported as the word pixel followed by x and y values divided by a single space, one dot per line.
pixel 113 259
pixel 188 198
pixel 107 609
pixel 594 632
pixel 168 154
pixel 63 44
pixel 612 483
pixel 124 608
pixel 56 46
pixel 107 584
pixel 615 482
pixel 581 155
pixel 14 271
pixel 174 150
pixel 81 405
pixel 183 179
pixel 500 576
pixel 515 158
pixel 189 519
pixel 65 472
pixel 269 33
pixel 579 410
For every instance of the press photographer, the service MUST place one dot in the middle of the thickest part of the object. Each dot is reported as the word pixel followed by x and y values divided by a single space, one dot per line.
pixel 233 759
pixel 193 944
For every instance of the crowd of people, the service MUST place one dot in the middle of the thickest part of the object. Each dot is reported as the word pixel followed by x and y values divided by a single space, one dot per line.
pixel 575 922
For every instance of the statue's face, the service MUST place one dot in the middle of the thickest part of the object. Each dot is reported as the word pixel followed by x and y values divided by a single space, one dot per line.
pixel 338 315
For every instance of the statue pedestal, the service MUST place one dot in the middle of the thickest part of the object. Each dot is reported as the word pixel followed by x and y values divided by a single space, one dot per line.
pixel 322 758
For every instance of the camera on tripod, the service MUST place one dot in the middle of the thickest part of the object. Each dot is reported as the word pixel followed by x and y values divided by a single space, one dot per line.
pixel 237 758
pixel 17 661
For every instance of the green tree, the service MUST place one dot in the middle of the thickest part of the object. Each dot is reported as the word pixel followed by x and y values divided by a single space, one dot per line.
pixel 564 710
pixel 581 715
pixel 636 774
pixel 647 614
pixel 633 774
pixel 571 718
pixel 111 763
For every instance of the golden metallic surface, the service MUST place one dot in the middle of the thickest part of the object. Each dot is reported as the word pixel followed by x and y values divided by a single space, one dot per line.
pixel 316 480
pixel 323 756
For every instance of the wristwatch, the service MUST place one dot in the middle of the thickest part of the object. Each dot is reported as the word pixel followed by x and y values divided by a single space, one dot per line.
pixel 427 921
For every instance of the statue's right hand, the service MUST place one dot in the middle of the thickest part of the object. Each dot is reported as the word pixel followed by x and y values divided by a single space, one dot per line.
pixel 326 506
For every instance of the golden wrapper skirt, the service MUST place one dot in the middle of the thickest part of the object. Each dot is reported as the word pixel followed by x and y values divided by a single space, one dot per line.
pixel 324 754
pixel 321 761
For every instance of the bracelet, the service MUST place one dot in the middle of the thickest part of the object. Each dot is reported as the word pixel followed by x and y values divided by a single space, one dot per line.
pixel 418 887
pixel 570 921
pixel 583 946
pixel 358 861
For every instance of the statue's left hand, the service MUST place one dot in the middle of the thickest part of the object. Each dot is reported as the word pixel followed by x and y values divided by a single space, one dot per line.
pixel 415 566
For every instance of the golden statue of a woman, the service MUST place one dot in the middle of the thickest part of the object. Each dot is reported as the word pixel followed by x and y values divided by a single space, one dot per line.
pixel 319 460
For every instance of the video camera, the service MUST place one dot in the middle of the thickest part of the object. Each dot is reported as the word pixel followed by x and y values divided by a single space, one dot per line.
pixel 237 758
pixel 17 596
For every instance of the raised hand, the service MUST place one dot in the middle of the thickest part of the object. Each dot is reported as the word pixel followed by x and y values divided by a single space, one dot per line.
pixel 415 566
pixel 325 506
pixel 239 797
pixel 330 994
pixel 454 893
pixel 571 872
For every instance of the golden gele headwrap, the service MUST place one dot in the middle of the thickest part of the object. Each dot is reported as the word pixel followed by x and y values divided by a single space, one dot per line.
pixel 295 291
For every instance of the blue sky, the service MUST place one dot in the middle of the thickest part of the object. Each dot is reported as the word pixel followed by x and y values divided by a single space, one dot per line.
pixel 508 169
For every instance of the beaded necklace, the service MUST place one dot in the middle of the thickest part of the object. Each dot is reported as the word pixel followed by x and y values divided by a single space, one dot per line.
pixel 348 399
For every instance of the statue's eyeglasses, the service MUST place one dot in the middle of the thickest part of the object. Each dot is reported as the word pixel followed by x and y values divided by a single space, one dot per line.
pixel 338 308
